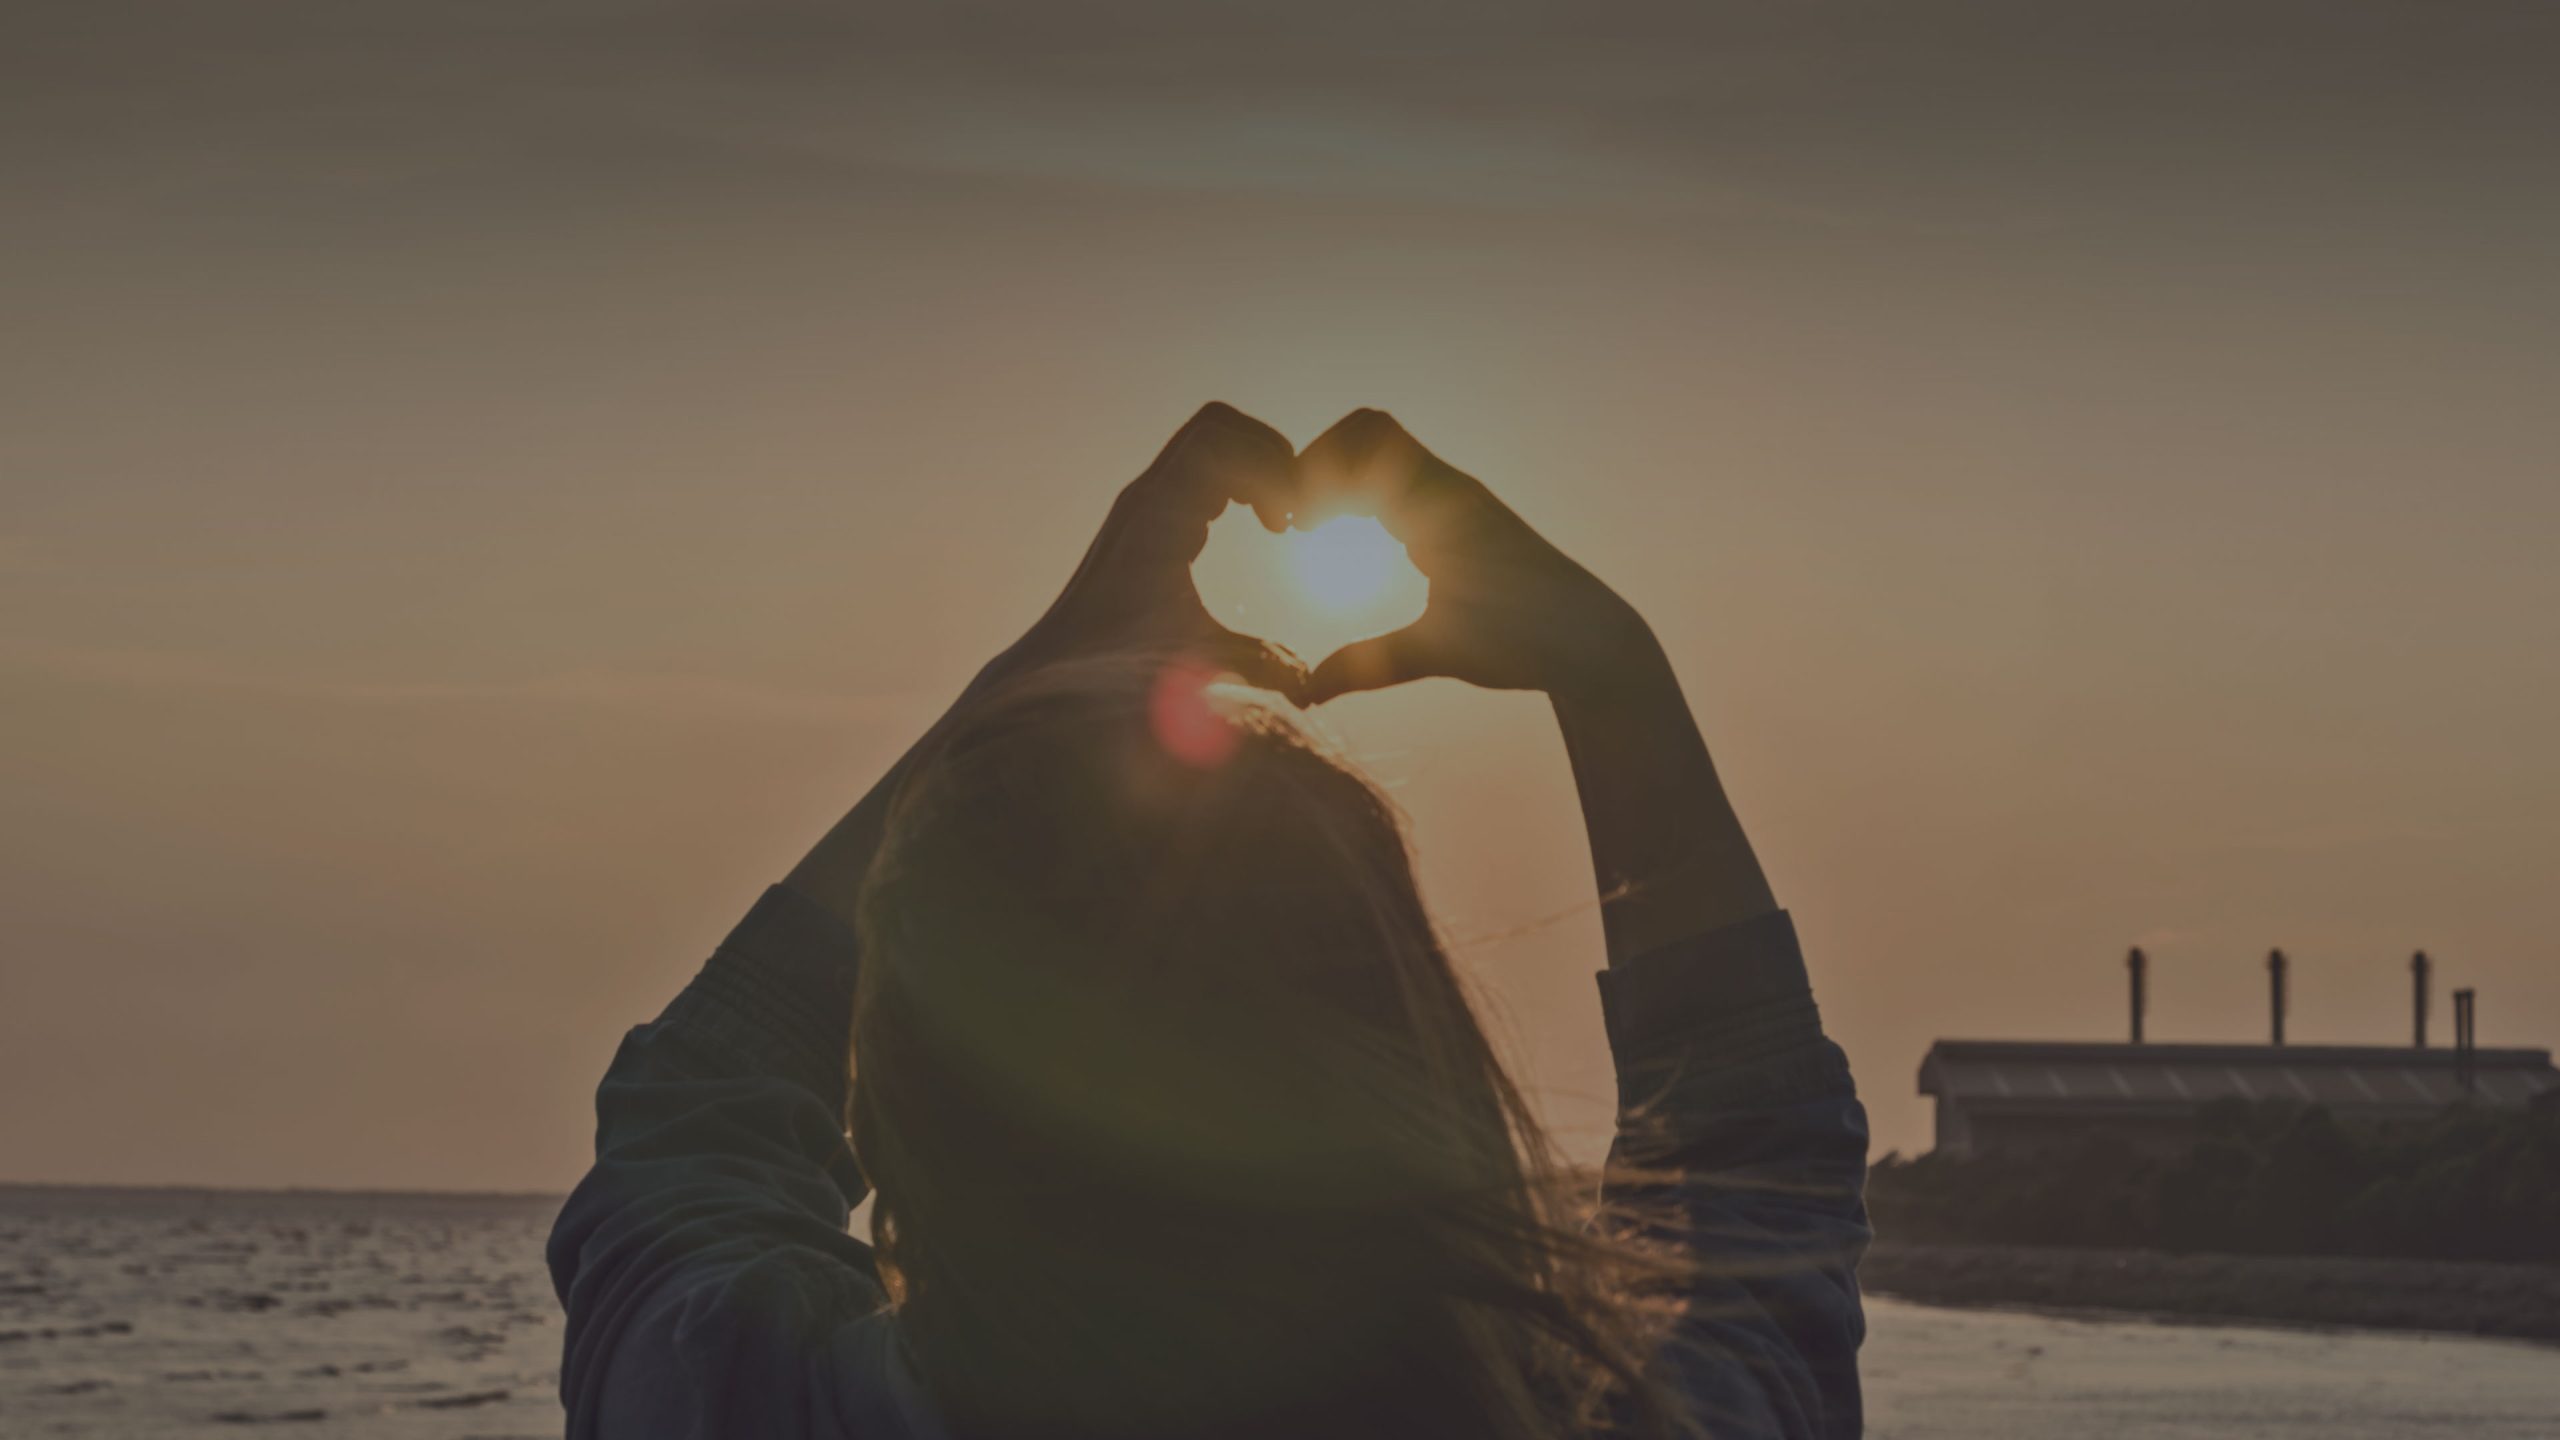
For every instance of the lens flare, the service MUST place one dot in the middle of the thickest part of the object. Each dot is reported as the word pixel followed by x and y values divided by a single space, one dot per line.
pixel 1186 717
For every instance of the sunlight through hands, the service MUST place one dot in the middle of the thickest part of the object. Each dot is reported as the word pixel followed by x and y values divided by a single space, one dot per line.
pixel 1310 590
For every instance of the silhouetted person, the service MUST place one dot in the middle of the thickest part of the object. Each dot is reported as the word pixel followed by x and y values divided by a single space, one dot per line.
pixel 1118 994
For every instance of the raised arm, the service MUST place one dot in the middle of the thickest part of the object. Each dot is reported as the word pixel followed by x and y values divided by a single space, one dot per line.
pixel 1132 591
pixel 710 1285
pixel 1737 1116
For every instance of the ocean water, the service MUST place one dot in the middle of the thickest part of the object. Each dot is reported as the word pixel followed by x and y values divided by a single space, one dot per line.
pixel 145 1314
pixel 138 1314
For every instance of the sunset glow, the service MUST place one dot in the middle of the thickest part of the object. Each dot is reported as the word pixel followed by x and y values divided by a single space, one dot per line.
pixel 1346 564
pixel 1309 590
pixel 2095 491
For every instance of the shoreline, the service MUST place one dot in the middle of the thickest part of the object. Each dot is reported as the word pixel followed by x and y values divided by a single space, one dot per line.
pixel 2482 1298
pixel 2520 1302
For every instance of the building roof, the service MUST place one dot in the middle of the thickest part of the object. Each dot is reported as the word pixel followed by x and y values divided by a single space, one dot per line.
pixel 2040 1073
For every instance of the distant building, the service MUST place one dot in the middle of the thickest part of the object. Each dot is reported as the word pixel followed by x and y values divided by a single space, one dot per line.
pixel 2017 1094
pixel 2008 1094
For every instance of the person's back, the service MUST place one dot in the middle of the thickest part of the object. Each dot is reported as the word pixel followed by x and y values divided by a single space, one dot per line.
pixel 1179 1119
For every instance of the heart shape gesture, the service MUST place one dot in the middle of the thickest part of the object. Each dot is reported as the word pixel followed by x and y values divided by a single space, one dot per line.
pixel 1507 610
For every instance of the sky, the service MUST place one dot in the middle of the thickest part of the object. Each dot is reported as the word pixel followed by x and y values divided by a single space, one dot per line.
pixel 483 485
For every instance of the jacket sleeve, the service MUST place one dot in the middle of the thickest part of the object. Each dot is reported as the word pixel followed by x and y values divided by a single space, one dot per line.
pixel 710 1284
pixel 1740 1136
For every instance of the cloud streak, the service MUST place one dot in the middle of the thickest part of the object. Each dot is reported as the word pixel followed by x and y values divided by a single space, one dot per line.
pixel 657 692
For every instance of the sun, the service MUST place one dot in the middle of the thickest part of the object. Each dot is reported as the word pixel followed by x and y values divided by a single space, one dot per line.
pixel 1309 590
pixel 1346 564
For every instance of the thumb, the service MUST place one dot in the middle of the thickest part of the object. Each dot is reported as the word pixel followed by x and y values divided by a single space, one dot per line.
pixel 1372 664
pixel 1259 663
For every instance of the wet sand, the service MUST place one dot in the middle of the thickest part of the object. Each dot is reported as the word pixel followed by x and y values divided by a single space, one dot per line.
pixel 1936 1374
pixel 2518 1301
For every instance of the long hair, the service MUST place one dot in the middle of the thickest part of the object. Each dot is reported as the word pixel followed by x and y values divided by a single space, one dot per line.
pixel 1181 1120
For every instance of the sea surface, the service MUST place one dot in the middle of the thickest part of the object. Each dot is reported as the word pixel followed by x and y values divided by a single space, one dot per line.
pixel 140 1314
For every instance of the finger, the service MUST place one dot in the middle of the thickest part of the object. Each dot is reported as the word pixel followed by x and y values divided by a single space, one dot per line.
pixel 1259 663
pixel 1368 463
pixel 1351 464
pixel 1373 664
pixel 1221 455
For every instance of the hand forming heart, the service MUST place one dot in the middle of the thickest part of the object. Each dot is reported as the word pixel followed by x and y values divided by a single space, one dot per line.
pixel 1507 610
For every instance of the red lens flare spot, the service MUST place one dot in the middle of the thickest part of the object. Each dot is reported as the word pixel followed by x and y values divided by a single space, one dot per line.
pixel 1186 718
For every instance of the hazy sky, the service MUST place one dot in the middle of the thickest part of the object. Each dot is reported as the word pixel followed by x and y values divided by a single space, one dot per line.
pixel 483 485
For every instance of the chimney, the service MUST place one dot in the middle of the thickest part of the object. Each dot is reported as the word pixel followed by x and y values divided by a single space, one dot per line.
pixel 2418 969
pixel 2463 1064
pixel 2275 995
pixel 2137 966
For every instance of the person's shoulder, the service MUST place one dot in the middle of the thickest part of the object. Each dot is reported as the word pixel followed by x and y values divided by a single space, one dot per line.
pixel 882 1395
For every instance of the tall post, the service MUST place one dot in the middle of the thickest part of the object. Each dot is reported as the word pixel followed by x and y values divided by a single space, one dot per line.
pixel 2136 966
pixel 2463 1062
pixel 2275 996
pixel 2418 968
